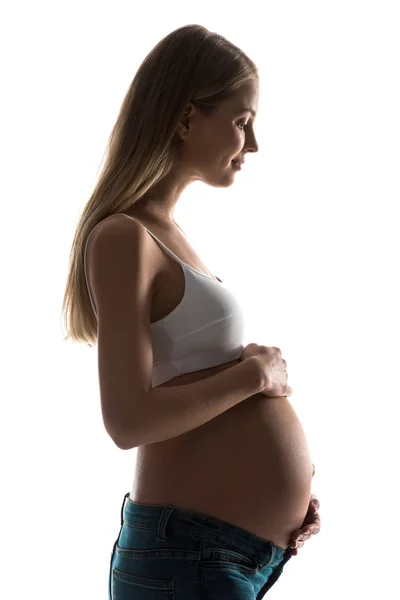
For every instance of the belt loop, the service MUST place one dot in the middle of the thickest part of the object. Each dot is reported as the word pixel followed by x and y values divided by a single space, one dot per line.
pixel 162 524
pixel 122 508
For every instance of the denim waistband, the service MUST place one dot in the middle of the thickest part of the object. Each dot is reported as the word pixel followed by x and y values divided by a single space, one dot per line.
pixel 164 519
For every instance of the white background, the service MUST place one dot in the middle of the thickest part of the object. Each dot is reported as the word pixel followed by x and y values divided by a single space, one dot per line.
pixel 307 237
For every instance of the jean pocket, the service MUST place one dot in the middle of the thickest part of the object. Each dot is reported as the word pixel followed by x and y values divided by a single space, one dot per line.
pixel 149 573
pixel 227 573
pixel 125 586
pixel 222 557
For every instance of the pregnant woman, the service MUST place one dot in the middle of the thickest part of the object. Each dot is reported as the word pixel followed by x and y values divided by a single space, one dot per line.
pixel 221 497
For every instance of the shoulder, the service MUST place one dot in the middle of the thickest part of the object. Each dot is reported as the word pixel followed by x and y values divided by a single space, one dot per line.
pixel 124 238
pixel 116 222
pixel 122 232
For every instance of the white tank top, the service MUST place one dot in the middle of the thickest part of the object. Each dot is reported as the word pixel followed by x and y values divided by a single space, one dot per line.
pixel 206 329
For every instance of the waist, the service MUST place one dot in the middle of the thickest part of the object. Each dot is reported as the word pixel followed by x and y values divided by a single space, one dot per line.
pixel 197 526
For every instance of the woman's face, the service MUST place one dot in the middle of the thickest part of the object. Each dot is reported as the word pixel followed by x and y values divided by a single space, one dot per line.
pixel 212 143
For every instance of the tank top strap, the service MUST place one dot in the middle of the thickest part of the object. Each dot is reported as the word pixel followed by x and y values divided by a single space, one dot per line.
pixel 185 266
pixel 166 248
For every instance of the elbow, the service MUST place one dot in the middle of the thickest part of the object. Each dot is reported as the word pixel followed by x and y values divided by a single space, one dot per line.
pixel 123 443
pixel 126 433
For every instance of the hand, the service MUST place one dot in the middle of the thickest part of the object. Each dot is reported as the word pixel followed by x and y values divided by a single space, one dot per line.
pixel 311 526
pixel 272 367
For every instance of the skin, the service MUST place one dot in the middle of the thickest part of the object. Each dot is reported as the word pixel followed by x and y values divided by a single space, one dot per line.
pixel 310 526
pixel 207 147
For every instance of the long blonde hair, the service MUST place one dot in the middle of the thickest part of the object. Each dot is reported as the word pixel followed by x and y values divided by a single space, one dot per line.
pixel 191 64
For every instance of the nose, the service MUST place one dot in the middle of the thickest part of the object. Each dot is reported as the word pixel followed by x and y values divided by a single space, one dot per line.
pixel 251 144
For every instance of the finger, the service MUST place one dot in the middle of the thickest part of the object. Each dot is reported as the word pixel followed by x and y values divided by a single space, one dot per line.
pixel 314 501
pixel 299 539
pixel 313 522
pixel 312 512
pixel 316 523
pixel 305 534
pixel 297 533
pixel 314 529
pixel 312 509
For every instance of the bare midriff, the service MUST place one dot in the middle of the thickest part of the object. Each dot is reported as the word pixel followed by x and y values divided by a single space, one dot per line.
pixel 251 465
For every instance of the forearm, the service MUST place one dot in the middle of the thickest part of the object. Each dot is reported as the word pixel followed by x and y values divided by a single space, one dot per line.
pixel 171 411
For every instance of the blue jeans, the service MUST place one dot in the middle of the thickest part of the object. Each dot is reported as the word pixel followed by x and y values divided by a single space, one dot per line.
pixel 166 553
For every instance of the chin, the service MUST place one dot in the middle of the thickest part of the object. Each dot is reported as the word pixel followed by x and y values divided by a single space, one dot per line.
pixel 222 184
pixel 224 180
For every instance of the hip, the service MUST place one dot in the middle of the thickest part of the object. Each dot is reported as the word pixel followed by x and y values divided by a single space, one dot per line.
pixel 168 553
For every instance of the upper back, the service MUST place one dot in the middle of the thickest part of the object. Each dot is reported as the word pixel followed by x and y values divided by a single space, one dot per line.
pixel 121 273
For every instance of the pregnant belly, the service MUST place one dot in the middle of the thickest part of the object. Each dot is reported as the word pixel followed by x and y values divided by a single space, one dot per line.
pixel 250 466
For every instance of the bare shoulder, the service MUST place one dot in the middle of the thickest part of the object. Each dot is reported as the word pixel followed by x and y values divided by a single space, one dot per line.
pixel 121 230
pixel 116 223
pixel 117 241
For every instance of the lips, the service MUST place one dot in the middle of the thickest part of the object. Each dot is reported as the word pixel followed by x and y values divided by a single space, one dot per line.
pixel 236 165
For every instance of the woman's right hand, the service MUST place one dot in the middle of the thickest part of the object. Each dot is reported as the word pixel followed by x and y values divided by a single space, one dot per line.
pixel 273 367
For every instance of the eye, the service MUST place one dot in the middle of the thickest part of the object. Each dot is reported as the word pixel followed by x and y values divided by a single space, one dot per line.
pixel 243 125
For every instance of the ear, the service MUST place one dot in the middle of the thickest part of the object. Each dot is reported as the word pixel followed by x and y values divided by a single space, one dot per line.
pixel 184 125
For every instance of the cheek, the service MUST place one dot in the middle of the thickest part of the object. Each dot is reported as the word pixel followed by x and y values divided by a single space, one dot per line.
pixel 219 146
pixel 232 143
pixel 238 137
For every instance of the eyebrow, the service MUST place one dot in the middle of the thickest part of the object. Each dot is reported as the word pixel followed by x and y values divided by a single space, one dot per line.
pixel 248 109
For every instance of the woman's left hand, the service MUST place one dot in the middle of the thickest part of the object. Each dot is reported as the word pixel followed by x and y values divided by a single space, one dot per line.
pixel 311 526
